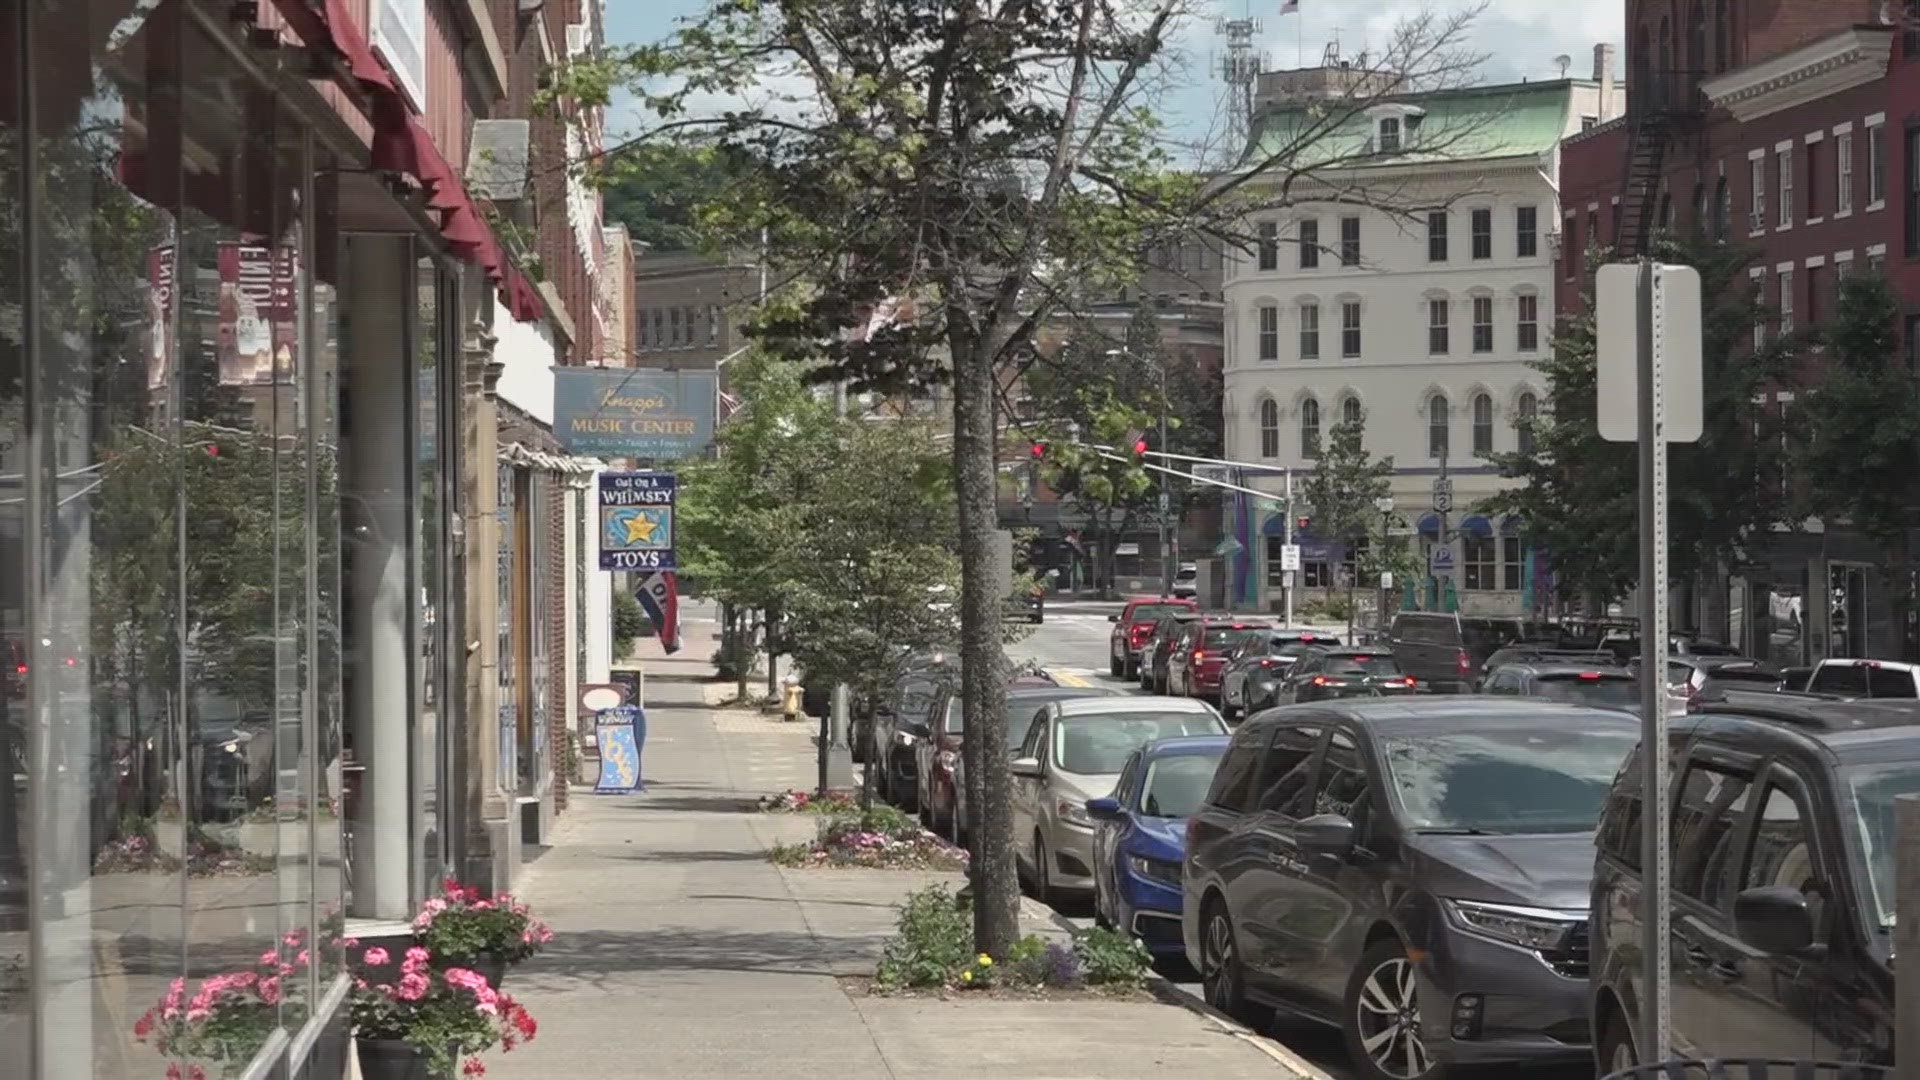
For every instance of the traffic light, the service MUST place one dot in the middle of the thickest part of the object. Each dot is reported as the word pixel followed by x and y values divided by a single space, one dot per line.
pixel 1302 523
pixel 1039 450
pixel 1139 448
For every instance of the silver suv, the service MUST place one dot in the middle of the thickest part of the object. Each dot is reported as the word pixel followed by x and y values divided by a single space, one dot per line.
pixel 1074 752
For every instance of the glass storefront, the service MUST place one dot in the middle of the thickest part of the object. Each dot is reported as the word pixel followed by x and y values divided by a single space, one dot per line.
pixel 173 581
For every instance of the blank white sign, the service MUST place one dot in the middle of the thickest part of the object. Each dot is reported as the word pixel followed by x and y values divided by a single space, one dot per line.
pixel 1676 322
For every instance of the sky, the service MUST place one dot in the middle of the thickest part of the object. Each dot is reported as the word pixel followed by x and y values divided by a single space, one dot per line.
pixel 1520 37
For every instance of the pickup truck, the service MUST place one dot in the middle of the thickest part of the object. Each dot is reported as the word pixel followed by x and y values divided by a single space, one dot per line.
pixel 1865 679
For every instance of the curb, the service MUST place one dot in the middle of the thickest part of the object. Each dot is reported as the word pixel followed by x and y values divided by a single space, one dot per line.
pixel 1172 994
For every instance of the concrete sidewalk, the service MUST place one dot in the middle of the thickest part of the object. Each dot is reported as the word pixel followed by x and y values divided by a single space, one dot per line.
pixel 682 952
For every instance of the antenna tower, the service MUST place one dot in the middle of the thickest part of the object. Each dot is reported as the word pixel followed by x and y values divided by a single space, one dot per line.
pixel 1240 70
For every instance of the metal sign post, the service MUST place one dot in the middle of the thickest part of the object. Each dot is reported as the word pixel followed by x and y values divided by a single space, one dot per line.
pixel 1649 389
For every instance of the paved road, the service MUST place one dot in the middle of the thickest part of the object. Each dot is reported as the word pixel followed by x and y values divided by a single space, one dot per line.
pixel 1072 643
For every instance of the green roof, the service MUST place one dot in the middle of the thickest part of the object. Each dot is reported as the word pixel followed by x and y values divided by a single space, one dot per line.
pixel 1469 124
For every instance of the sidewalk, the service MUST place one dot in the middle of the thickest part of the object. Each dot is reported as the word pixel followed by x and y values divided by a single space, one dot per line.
pixel 682 952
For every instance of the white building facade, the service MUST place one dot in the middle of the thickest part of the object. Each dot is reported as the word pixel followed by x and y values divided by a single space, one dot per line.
pixel 1416 299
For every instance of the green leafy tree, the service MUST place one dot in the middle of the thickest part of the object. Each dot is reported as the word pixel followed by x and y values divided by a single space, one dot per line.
pixel 1578 492
pixel 1854 445
pixel 656 190
pixel 1341 490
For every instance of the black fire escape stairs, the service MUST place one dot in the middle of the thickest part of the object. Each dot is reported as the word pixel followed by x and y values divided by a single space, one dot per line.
pixel 1648 136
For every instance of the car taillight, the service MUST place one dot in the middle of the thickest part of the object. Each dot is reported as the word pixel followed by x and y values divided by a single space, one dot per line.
pixel 1464 662
pixel 1269 661
pixel 1199 655
pixel 1590 675
pixel 1319 680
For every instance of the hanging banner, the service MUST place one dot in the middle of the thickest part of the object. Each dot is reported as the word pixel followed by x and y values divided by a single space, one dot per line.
pixel 160 294
pixel 636 521
pixel 621 734
pixel 258 327
pixel 635 412
pixel 659 596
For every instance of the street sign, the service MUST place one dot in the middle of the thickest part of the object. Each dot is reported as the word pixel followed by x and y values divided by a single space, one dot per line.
pixel 1674 333
pixel 1290 556
pixel 1440 563
pixel 1443 494
pixel 636 521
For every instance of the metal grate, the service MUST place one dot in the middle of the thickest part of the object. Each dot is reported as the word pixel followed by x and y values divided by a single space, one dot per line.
pixel 1753 1069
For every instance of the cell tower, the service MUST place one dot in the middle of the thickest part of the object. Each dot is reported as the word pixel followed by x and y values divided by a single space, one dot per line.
pixel 1240 70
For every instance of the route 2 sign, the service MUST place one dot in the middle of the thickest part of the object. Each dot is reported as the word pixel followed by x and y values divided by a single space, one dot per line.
pixel 636 521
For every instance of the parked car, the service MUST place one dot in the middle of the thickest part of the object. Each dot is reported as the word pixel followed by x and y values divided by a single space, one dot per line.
pixel 1074 752
pixel 1140 838
pixel 1578 684
pixel 936 757
pixel 903 723
pixel 1448 652
pixel 1865 679
pixel 1023 705
pixel 1370 864
pixel 1526 652
pixel 1186 580
pixel 1328 674
pixel 1152 663
pixel 1029 604
pixel 1255 667
pixel 1783 881
pixel 1197 657
pixel 1131 629
pixel 1691 677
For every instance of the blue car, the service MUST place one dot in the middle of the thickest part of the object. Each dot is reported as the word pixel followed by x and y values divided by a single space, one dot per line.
pixel 1140 838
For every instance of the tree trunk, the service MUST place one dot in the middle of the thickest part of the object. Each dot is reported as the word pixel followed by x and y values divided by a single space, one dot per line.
pixel 737 633
pixel 773 654
pixel 995 884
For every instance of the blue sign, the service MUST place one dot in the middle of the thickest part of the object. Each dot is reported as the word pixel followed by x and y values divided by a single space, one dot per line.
pixel 1440 563
pixel 636 521
pixel 621 733
pixel 635 412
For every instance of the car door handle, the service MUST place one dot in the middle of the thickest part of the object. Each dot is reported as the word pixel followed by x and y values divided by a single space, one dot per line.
pixel 1703 960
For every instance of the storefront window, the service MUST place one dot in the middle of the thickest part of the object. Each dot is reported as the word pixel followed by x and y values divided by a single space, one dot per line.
pixel 509 656
pixel 430 762
pixel 534 766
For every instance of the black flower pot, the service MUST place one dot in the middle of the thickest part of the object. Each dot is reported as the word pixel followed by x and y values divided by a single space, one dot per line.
pixel 393 1059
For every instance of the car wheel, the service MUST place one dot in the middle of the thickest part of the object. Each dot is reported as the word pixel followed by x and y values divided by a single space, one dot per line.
pixel 1228 712
pixel 1101 916
pixel 1382 1026
pixel 926 811
pixel 1221 977
pixel 1036 618
pixel 1042 885
pixel 1615 1050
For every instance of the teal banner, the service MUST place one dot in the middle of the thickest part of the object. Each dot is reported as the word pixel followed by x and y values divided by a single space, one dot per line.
pixel 643 413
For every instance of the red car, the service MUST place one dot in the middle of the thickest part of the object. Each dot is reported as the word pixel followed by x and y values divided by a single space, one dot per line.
pixel 1133 626
pixel 936 756
pixel 1199 655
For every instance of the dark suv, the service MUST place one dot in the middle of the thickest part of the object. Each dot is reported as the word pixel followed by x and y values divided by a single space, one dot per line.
pixel 1601 686
pixel 1783 881
pixel 1373 863
pixel 1448 652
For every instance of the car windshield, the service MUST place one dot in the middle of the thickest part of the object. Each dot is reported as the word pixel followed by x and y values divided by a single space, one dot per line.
pixel 1177 785
pixel 1538 780
pixel 956 717
pixel 1871 790
pixel 1099 745
pixel 1362 665
pixel 1599 693
pixel 1152 612
pixel 1022 710
pixel 1226 637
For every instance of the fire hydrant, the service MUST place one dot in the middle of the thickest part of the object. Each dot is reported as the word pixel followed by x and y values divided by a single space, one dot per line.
pixel 790 695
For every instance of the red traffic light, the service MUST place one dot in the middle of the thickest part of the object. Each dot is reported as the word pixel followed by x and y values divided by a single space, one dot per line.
pixel 1302 523
pixel 1140 447
pixel 1039 450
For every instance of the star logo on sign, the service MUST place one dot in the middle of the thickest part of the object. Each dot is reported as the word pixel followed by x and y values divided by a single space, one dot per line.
pixel 640 528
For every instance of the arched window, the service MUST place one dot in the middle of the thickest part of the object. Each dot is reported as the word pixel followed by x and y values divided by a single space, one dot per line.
pixel 1482 425
pixel 1352 413
pixel 1722 210
pixel 1526 409
pixel 1437 426
pixel 1699 222
pixel 1269 428
pixel 1310 428
pixel 1722 35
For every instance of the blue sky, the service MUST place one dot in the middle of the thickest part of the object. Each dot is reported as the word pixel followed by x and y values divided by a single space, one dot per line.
pixel 1521 38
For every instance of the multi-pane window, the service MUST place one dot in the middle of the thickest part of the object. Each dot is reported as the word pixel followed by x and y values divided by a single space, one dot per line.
pixel 1512 564
pixel 1269 428
pixel 1786 302
pixel 1437 426
pixel 1482 425
pixel 1483 234
pixel 1349 241
pixel 1350 328
pixel 1309 428
pixel 1786 186
pixel 1389 134
pixel 1477 560
pixel 1757 220
pixel 1269 246
pixel 1437 327
pixel 1309 331
pixel 1436 236
pixel 1483 324
pixel 1759 278
pixel 1526 231
pixel 1816 169
pixel 1723 210
pixel 1269 332
pixel 1309 241
pixel 1526 410
pixel 1351 412
pixel 1527 323
pixel 1876 165
pixel 1843 174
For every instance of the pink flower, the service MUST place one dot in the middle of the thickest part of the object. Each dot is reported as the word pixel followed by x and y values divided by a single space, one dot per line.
pixel 375 956
pixel 176 993
pixel 473 1067
pixel 143 1026
pixel 270 958
pixel 303 959
pixel 350 943
pixel 195 1072
pixel 413 986
pixel 173 1071
pixel 292 941
pixel 270 990
pixel 418 955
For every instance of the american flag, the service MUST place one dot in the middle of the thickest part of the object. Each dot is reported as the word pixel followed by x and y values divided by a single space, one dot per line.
pixel 728 404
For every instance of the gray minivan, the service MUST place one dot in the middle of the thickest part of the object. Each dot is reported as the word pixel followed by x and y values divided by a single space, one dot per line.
pixel 1446 651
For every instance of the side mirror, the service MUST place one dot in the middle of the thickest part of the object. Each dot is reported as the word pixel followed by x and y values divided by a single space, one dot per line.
pixel 1113 618
pixel 1025 766
pixel 1775 919
pixel 1104 808
pixel 1328 835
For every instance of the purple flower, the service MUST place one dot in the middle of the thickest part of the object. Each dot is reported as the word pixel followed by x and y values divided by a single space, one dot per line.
pixel 1063 966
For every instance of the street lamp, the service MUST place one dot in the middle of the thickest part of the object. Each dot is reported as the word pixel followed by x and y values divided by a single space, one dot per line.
pixel 1167 554
pixel 1384 504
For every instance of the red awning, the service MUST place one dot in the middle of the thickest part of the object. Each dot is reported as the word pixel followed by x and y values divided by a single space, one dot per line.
pixel 401 144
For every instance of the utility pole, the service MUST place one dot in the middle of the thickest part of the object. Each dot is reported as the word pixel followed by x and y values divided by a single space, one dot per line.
pixel 1384 504
pixel 1167 554
pixel 1287 576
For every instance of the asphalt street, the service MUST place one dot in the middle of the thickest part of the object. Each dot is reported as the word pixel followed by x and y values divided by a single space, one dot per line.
pixel 1072 643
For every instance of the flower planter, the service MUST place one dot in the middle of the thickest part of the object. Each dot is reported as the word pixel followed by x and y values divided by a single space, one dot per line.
pixel 393 1059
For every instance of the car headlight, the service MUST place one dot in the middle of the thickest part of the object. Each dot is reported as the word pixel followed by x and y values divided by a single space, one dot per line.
pixel 1073 813
pixel 1167 873
pixel 1539 929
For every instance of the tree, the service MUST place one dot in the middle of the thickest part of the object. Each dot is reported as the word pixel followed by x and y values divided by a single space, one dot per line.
pixel 1341 491
pixel 1579 493
pixel 1852 448
pixel 656 191
pixel 945 178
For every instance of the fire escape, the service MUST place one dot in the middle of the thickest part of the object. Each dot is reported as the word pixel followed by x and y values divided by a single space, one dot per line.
pixel 1664 109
